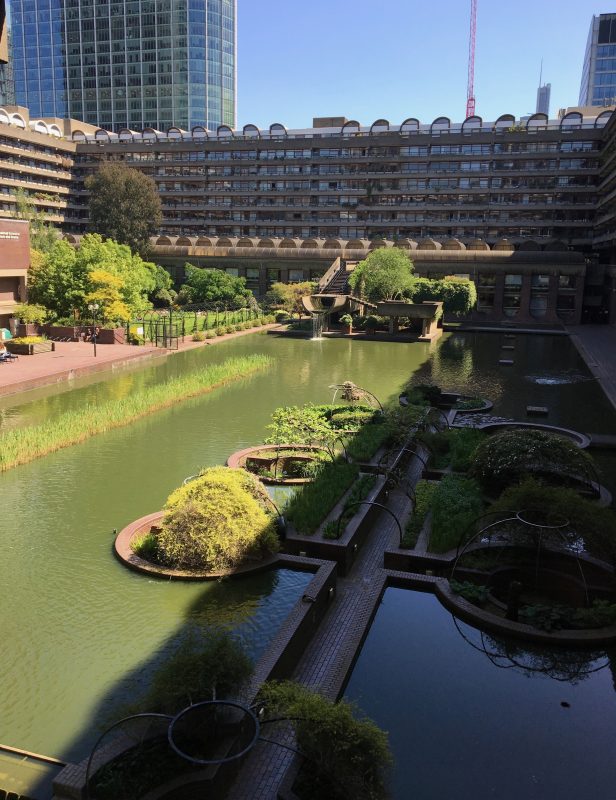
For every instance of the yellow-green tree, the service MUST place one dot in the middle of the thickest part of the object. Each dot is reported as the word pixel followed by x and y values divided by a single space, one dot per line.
pixel 108 295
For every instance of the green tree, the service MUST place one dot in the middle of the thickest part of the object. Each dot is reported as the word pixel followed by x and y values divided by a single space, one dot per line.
pixel 214 286
pixel 60 279
pixel 387 274
pixel 107 294
pixel 288 296
pixel 124 205
pixel 42 235
pixel 458 295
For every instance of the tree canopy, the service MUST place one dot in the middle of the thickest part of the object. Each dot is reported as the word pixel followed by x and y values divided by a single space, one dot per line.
pixel 62 278
pixel 386 274
pixel 288 296
pixel 214 286
pixel 458 295
pixel 42 235
pixel 124 205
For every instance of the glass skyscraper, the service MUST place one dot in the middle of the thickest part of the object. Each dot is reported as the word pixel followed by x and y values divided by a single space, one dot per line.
pixel 127 63
pixel 598 87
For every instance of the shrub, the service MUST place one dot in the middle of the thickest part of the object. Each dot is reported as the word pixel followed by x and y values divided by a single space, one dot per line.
pixel 368 441
pixel 30 313
pixel 453 447
pixel 281 315
pixel 346 319
pixel 198 336
pixel 348 755
pixel 146 546
pixel 229 329
pixel 508 456
pixel 455 504
pixel 217 521
pixel 210 335
pixel 220 331
pixel 27 340
pixel 424 492
pixel 473 592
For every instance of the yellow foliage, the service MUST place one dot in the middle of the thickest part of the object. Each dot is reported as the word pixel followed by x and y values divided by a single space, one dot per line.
pixel 217 521
pixel 108 295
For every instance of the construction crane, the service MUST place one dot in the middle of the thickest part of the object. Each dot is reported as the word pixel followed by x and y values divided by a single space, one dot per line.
pixel 470 89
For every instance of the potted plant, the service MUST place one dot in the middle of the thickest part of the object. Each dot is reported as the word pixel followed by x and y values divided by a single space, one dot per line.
pixel 346 320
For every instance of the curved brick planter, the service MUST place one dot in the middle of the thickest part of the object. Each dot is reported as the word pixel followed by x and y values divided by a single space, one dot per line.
pixel 143 525
pixel 480 618
pixel 238 460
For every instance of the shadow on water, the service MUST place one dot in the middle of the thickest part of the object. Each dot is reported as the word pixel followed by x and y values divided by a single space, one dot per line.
pixel 252 608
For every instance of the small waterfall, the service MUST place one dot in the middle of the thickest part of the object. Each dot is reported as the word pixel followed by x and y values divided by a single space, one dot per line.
pixel 318 319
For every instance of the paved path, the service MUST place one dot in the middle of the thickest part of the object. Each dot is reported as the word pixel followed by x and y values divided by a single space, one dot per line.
pixel 330 654
pixel 597 346
pixel 76 359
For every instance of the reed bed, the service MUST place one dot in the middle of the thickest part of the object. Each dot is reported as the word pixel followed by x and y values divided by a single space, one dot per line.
pixel 21 445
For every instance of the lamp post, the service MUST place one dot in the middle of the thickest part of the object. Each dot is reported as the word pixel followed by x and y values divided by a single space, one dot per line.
pixel 93 308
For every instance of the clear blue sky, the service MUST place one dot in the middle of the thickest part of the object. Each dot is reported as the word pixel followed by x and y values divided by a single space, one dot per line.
pixel 405 58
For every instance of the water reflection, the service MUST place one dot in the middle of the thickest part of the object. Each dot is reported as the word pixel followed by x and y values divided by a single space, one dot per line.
pixel 571 666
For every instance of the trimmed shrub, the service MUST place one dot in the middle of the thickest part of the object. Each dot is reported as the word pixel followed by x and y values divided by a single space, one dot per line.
pixel 198 336
pixel 217 521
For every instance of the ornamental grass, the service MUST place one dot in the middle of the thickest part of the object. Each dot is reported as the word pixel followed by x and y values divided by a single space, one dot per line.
pixel 20 445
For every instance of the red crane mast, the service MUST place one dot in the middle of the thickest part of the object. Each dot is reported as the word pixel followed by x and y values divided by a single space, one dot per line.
pixel 470 90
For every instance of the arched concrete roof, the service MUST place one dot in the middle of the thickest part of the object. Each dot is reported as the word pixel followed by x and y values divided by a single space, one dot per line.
pixel 309 244
pixel 332 244
pixel 251 130
pixel 183 241
pixel 440 124
pixel 453 244
pixel 125 135
pixel 54 130
pixel 224 132
pixel 602 119
pixel 224 241
pixel 266 243
pixel 410 125
pixel 38 126
pixel 379 125
pixel 199 132
pixel 530 245
pixel 101 135
pixel 277 129
pixel 245 241
pixel 571 121
pixel 428 244
pixel 351 126
pixel 288 244
pixel 503 244
pixel 17 119
pixel 175 133
pixel 472 123
pixel 376 243
pixel 504 121
pixel 538 120
pixel 163 241
pixel 355 244
pixel 477 244
pixel 203 241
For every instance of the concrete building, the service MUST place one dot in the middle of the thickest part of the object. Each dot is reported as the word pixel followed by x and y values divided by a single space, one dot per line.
pixel 523 208
pixel 14 263
pixel 145 63
pixel 598 85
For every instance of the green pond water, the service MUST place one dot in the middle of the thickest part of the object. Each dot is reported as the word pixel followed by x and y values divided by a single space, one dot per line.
pixel 80 632
pixel 475 716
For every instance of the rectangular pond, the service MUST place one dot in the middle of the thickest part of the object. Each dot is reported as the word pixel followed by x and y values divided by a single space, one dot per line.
pixel 477 716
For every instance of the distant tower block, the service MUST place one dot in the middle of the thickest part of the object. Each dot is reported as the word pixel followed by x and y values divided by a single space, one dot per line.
pixel 543 95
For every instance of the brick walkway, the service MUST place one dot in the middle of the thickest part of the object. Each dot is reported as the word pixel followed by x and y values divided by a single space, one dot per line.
pixel 76 359
pixel 330 654
pixel 597 346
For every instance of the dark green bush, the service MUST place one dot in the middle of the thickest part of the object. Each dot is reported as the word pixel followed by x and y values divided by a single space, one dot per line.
pixel 510 455
pixel 424 492
pixel 455 504
pixel 348 755
pixel 473 592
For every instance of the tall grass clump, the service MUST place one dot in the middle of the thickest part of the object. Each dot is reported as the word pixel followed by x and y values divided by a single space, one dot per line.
pixel 20 445
pixel 309 507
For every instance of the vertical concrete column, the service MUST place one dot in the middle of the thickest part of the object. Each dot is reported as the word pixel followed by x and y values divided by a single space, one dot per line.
pixel 551 314
pixel 499 290
pixel 524 311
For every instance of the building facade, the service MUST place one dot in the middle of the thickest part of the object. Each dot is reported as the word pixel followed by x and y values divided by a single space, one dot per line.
pixel 136 64
pixel 543 99
pixel 14 263
pixel 598 85
pixel 526 208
